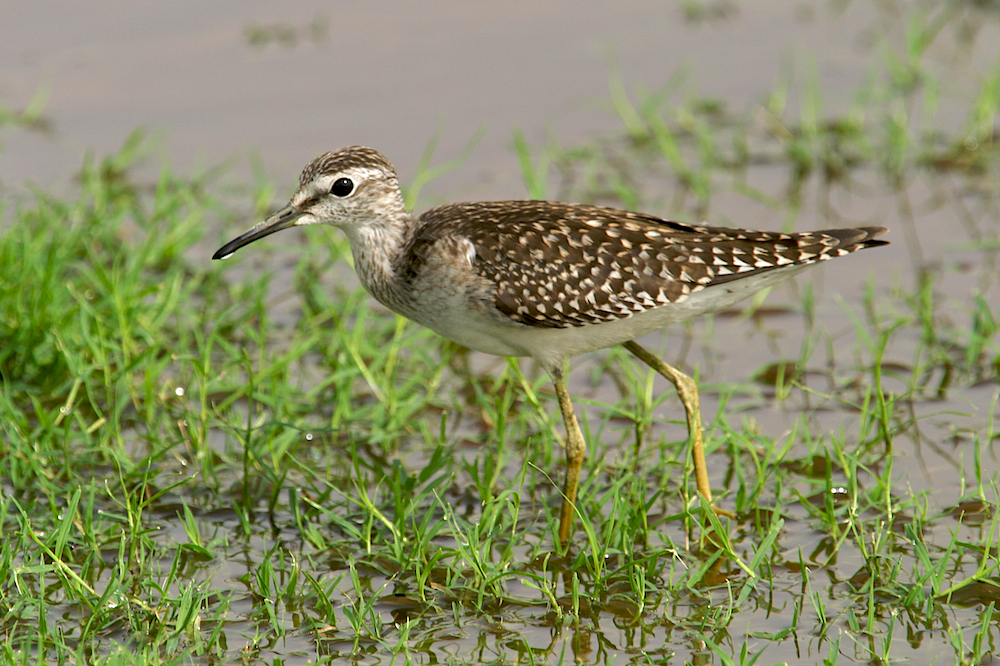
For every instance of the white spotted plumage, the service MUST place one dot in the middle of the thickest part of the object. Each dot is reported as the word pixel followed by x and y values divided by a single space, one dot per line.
pixel 545 279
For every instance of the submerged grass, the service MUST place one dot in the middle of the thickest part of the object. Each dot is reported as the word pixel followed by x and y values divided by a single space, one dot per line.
pixel 228 463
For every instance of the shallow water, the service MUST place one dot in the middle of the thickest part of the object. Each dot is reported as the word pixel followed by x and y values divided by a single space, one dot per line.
pixel 321 76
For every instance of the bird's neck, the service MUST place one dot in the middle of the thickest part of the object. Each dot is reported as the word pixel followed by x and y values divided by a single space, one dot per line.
pixel 377 247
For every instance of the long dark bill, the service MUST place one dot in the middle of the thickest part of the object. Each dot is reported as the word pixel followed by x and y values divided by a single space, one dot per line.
pixel 284 218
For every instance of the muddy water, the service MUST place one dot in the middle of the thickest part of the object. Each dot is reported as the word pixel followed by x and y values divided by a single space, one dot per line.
pixel 289 80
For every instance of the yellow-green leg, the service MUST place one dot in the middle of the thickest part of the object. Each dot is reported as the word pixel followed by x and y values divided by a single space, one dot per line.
pixel 688 391
pixel 575 450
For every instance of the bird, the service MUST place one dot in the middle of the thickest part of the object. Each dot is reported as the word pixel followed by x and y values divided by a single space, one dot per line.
pixel 544 279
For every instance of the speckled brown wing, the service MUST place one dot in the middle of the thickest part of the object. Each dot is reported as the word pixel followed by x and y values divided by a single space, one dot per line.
pixel 562 265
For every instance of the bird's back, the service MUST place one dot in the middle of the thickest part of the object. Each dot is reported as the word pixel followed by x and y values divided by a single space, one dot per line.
pixel 557 265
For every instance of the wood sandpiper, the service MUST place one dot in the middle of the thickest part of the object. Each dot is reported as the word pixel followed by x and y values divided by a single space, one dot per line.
pixel 544 279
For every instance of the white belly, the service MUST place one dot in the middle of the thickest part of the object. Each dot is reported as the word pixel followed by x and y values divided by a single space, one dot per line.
pixel 452 317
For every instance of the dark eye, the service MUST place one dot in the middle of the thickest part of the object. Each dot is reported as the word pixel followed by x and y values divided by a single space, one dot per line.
pixel 342 187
